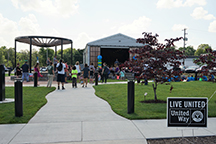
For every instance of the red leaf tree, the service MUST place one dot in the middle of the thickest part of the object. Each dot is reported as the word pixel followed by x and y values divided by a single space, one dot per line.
pixel 155 60
pixel 208 60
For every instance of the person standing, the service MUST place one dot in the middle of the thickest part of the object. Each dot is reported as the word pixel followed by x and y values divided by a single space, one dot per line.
pixel 86 73
pixel 91 81
pixel 25 69
pixel 61 74
pixel 18 71
pixel 74 74
pixel 37 70
pixel 66 72
pixel 116 63
pixel 105 71
pixel 48 61
pixel 92 66
pixel 55 62
pixel 78 68
pixel 51 74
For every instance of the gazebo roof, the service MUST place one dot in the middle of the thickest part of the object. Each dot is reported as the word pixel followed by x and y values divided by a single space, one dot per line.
pixel 43 41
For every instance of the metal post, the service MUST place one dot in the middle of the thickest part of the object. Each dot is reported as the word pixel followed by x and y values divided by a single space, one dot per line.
pixel 96 77
pixel 184 44
pixel 18 97
pixel 2 83
pixel 61 48
pixel 130 97
pixel 55 50
pixel 35 79
pixel 30 54
pixel 71 53
pixel 9 72
pixel 15 53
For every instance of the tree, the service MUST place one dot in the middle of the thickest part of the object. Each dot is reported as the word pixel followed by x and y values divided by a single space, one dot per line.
pixel 202 49
pixel 189 50
pixel 153 59
pixel 208 61
pixel 2 56
pixel 43 55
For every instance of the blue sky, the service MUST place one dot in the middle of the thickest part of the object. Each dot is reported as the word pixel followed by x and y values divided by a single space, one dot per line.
pixel 84 21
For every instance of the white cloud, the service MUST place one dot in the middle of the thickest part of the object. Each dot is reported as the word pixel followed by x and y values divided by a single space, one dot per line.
pixel 63 8
pixel 212 26
pixel 82 39
pixel 179 3
pixel 28 25
pixel 179 27
pixel 200 13
pixel 137 26
pixel 9 31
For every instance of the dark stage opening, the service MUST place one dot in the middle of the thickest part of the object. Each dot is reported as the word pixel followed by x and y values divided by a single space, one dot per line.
pixel 109 55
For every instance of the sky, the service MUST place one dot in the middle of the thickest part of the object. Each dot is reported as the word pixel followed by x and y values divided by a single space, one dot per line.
pixel 84 21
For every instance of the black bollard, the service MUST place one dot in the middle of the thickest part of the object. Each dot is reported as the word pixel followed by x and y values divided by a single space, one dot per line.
pixel 9 72
pixel 130 97
pixel 2 83
pixel 18 97
pixel 96 77
pixel 35 79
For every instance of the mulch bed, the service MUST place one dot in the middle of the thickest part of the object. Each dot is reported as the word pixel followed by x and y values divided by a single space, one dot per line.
pixel 153 101
pixel 186 140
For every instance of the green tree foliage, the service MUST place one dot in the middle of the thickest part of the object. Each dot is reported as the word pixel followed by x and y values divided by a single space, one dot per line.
pixel 7 56
pixel 202 49
pixel 2 55
pixel 189 50
pixel 43 55
pixel 77 55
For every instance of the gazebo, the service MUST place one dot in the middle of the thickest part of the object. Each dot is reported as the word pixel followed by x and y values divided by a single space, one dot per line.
pixel 44 41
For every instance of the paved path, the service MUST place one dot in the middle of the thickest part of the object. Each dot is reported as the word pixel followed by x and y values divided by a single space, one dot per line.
pixel 78 116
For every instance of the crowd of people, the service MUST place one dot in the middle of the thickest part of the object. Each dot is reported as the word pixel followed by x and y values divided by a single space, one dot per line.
pixel 78 75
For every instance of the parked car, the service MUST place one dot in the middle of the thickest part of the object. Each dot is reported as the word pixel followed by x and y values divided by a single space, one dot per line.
pixel 191 69
pixel 202 69
pixel 183 67
pixel 43 69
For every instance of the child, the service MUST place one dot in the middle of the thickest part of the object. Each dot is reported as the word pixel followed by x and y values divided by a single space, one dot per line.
pixel 81 80
pixel 122 75
pixel 74 74
pixel 91 76
pixel 99 77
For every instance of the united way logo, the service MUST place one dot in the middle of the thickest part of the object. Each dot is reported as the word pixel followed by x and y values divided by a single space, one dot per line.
pixel 197 116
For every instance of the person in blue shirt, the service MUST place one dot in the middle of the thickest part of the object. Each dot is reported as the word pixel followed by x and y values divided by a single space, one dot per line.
pixel 212 77
pixel 204 78
pixel 191 78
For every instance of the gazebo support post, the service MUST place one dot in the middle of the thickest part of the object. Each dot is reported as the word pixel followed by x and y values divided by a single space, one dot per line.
pixel 61 49
pixel 15 53
pixel 30 54
pixel 71 53
pixel 55 50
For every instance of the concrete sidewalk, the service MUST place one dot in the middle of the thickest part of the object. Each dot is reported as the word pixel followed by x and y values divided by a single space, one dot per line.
pixel 78 116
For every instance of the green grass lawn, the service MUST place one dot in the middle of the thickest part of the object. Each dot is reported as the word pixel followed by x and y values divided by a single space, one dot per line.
pixel 116 96
pixel 33 100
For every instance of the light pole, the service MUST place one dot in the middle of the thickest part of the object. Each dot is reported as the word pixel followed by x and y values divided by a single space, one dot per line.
pixel 185 39
pixel 8 58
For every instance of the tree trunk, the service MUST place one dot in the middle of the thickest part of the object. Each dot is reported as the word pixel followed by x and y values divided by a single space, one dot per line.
pixel 154 88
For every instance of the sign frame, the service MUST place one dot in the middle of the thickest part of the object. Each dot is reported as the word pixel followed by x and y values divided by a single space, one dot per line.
pixel 187 111
pixel 130 76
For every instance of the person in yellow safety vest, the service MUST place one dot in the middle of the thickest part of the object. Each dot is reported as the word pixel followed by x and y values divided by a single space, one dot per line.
pixel 74 74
